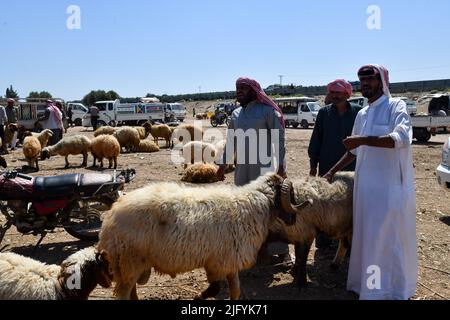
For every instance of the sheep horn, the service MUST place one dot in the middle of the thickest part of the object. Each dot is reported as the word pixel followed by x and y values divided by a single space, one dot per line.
pixel 286 199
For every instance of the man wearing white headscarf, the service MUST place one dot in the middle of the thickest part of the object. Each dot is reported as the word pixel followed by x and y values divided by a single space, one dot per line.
pixel 383 262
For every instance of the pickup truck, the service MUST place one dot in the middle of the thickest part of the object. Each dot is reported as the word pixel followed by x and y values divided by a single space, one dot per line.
pixel 426 126
pixel 443 171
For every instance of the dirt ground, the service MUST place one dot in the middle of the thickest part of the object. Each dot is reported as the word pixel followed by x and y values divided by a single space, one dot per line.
pixel 267 282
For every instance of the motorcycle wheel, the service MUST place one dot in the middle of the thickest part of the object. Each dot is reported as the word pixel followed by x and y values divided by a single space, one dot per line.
pixel 227 121
pixel 214 122
pixel 85 221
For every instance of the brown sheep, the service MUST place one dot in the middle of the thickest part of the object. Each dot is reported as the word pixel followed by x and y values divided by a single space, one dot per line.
pixel 187 130
pixel 105 146
pixel 104 130
pixel 128 137
pixel 10 130
pixel 200 173
pixel 161 131
pixel 147 146
pixel 145 130
pixel 31 150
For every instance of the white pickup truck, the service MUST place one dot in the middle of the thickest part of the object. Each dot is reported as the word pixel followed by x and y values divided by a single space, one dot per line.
pixel 426 126
pixel 115 113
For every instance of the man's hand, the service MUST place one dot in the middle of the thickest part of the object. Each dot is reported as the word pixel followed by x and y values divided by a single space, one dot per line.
pixel 221 173
pixel 353 142
pixel 313 172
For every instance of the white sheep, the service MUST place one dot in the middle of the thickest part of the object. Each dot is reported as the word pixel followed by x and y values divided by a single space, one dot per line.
pixel 43 137
pixel 72 145
pixel 128 138
pixel 23 278
pixel 177 228
pixel 325 208
pixel 31 150
pixel 105 146
pixel 187 133
pixel 104 130
pixel 198 151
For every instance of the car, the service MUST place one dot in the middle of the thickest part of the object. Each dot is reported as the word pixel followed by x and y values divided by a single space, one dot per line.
pixel 410 104
pixel 443 170
pixel 78 111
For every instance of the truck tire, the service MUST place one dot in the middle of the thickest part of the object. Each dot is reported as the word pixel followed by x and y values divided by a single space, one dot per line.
pixel 421 134
pixel 77 122
pixel 295 125
pixel 101 123
pixel 304 124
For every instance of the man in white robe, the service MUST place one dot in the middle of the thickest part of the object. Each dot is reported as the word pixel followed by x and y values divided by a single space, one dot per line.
pixel 383 262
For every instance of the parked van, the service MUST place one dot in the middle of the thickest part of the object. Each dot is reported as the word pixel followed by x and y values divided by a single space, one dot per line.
pixel 114 113
pixel 178 110
pixel 299 111
pixel 78 112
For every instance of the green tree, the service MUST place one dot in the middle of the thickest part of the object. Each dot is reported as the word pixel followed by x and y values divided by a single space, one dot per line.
pixel 42 95
pixel 10 93
pixel 99 95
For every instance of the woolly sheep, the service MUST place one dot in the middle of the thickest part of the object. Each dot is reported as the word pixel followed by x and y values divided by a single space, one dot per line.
pixel 72 145
pixel 104 130
pixel 220 147
pixel 200 173
pixel 326 208
pixel 187 133
pixel 161 131
pixel 197 151
pixel 144 130
pixel 219 228
pixel 43 137
pixel 31 150
pixel 147 146
pixel 128 138
pixel 23 278
pixel 105 146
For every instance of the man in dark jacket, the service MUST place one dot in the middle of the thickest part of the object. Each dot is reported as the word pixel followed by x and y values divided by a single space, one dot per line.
pixel 334 123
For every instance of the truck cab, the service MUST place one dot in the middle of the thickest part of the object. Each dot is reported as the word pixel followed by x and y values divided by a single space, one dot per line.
pixel 299 111
pixel 178 111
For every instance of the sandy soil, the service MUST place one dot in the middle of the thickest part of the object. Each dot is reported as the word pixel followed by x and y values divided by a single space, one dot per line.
pixel 268 282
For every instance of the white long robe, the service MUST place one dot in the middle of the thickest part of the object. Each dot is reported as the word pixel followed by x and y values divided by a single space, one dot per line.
pixel 384 215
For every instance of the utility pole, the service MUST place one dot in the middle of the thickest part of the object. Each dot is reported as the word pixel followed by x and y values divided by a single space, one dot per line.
pixel 281 80
pixel 199 89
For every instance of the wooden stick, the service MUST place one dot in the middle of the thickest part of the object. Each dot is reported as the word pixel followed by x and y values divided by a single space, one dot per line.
pixel 437 270
pixel 432 290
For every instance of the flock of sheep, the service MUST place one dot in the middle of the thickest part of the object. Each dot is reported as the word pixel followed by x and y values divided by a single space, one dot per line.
pixel 220 228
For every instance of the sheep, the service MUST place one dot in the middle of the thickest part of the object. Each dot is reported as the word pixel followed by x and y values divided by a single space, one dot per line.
pixel 326 208
pixel 105 146
pixel 147 146
pixel 104 130
pixel 23 278
pixel 161 131
pixel 9 130
pixel 3 162
pixel 144 130
pixel 197 151
pixel 220 228
pixel 220 147
pixel 128 138
pixel 43 137
pixel 200 173
pixel 72 145
pixel 31 150
pixel 190 132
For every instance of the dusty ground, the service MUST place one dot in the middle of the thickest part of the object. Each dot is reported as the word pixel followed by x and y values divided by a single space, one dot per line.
pixel 270 282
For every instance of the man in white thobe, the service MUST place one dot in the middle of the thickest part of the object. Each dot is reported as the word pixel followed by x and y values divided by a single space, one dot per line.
pixel 383 262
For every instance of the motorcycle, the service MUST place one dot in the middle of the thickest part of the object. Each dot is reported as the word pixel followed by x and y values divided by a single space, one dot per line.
pixel 219 118
pixel 75 202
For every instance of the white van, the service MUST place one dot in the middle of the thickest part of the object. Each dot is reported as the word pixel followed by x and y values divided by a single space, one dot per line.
pixel 178 110
pixel 299 111
pixel 114 113
pixel 410 104
pixel 78 112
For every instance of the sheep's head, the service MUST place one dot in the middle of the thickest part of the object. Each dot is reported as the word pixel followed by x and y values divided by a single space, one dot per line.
pixel 13 127
pixel 45 154
pixel 3 162
pixel 47 133
pixel 289 209
pixel 147 126
pixel 82 271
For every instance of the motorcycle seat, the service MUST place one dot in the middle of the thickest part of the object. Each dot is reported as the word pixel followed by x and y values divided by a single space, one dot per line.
pixel 58 185
pixel 91 182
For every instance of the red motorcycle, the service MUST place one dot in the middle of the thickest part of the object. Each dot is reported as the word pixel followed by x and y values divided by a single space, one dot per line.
pixel 75 202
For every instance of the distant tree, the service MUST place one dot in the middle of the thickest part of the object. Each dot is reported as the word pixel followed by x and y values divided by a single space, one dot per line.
pixel 42 95
pixel 99 95
pixel 10 93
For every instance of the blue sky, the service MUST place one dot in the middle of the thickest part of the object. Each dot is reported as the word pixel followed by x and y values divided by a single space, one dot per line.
pixel 174 46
